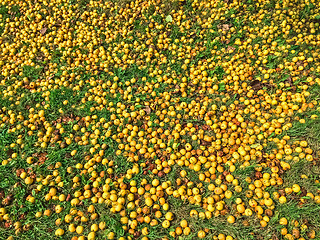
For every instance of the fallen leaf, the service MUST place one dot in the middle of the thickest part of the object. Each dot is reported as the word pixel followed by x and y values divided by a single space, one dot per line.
pixel 256 85
pixel 230 48
pixel 258 175
pixel 224 27
pixel 205 143
pixel 255 145
pixel 290 81
pixel 148 110
pixel 43 31
pixel 68 197
pixel 169 18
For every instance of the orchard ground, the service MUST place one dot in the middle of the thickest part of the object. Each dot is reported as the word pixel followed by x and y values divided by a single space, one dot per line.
pixel 162 120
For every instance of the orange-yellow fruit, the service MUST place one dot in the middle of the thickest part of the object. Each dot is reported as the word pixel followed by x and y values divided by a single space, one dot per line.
pixel 59 232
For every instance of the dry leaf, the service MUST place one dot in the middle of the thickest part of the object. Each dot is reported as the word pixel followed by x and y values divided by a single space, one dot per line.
pixel 290 81
pixel 148 110
pixel 230 48
pixel 224 27
pixel 256 85
pixel 43 31
pixel 300 63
